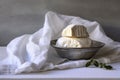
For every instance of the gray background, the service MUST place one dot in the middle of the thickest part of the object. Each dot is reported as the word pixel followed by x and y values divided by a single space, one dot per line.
pixel 18 17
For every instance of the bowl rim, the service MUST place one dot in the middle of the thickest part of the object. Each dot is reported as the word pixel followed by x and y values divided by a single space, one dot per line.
pixel 53 42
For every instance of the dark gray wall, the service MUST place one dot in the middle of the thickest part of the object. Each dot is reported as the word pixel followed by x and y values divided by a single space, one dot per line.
pixel 18 17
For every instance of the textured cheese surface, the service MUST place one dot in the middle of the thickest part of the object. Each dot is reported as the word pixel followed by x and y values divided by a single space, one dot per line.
pixel 72 30
pixel 73 42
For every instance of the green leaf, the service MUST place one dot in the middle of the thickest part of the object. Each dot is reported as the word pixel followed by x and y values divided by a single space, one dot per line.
pixel 109 67
pixel 96 63
pixel 88 64
pixel 101 65
pixel 92 60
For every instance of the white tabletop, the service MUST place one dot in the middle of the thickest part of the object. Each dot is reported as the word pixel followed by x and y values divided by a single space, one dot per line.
pixel 69 74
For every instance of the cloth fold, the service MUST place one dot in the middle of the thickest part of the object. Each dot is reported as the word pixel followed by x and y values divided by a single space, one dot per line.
pixel 32 52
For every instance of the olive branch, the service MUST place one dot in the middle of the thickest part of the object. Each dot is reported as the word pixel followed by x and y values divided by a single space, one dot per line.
pixel 98 64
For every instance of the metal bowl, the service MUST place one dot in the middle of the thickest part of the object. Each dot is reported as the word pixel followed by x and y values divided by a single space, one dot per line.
pixel 77 53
